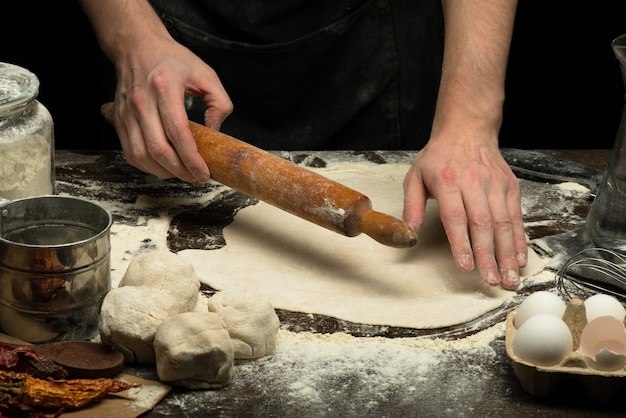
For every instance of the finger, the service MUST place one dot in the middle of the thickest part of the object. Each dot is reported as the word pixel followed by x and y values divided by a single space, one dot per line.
pixel 519 233
pixel 133 143
pixel 455 222
pixel 137 155
pixel 415 197
pixel 188 161
pixel 481 229
pixel 506 252
pixel 156 131
pixel 219 107
pixel 204 81
pixel 167 139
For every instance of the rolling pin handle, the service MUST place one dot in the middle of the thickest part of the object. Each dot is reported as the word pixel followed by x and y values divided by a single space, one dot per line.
pixel 387 230
pixel 107 112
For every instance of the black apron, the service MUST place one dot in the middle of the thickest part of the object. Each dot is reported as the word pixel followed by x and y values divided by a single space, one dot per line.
pixel 351 75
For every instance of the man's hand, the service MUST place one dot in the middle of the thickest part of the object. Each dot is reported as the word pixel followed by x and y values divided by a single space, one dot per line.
pixel 479 203
pixel 154 75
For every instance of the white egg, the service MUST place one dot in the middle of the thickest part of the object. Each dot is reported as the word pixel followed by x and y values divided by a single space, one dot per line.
pixel 543 340
pixel 539 302
pixel 604 305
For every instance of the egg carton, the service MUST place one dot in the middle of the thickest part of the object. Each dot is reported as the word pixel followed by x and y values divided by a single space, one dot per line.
pixel 541 381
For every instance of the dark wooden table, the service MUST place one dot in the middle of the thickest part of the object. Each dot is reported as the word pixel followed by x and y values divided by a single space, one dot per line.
pixel 392 382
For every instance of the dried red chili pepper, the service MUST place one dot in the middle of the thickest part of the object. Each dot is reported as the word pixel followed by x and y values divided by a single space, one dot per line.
pixel 11 407
pixel 64 394
pixel 25 359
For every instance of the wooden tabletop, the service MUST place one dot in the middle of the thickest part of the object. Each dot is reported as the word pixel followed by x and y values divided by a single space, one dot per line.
pixel 596 158
pixel 399 378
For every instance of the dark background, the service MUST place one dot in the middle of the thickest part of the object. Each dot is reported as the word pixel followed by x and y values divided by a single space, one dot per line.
pixel 564 87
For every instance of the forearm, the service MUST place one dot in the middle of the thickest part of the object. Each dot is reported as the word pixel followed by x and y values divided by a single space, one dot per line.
pixel 121 25
pixel 477 41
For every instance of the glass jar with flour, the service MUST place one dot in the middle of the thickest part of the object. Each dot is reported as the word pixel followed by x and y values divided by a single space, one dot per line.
pixel 26 136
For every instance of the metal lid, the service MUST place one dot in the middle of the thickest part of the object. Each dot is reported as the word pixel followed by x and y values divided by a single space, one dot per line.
pixel 18 86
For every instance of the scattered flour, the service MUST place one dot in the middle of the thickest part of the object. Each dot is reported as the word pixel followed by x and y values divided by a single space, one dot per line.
pixel 480 339
pixel 327 373
pixel 129 240
pixel 331 360
pixel 146 396
pixel 575 188
pixel 546 276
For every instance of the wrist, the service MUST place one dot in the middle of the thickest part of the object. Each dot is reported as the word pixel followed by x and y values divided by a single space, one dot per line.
pixel 123 25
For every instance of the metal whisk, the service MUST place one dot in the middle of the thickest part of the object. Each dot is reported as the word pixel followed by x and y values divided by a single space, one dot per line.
pixel 593 270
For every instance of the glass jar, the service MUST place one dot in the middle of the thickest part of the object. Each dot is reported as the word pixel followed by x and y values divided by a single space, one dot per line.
pixel 26 136
pixel 606 221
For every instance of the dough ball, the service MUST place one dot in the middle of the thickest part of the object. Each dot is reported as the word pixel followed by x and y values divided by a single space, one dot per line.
pixel 250 320
pixel 194 350
pixel 166 271
pixel 130 317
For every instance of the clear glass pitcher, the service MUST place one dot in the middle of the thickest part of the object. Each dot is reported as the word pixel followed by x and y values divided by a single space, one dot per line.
pixel 606 221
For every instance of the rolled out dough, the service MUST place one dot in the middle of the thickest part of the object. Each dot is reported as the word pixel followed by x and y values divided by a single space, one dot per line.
pixel 303 267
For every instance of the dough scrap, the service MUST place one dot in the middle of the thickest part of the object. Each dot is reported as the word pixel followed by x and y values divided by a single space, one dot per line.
pixel 165 271
pixel 303 267
pixel 130 317
pixel 250 319
pixel 193 350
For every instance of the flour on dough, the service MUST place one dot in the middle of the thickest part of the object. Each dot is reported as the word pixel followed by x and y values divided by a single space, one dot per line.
pixel 193 350
pixel 165 271
pixel 250 320
pixel 303 267
pixel 129 319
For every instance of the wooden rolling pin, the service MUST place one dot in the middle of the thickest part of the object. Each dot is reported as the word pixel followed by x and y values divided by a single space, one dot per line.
pixel 293 188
